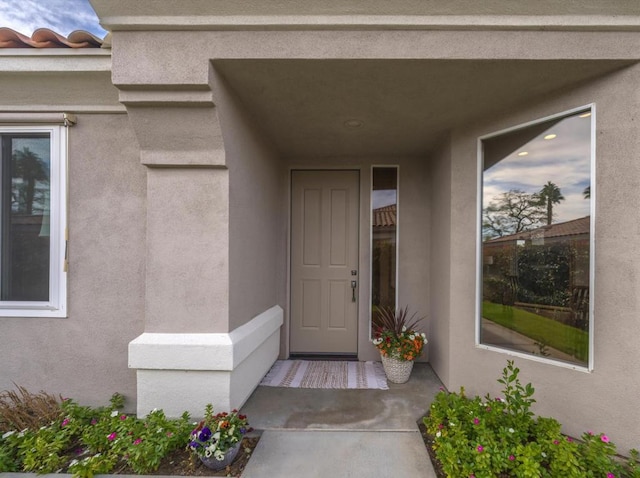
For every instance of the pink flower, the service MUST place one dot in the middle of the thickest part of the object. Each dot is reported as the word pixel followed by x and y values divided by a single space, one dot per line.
pixel 511 457
pixel 440 426
pixel 137 441
pixel 480 448
pixel 611 475
pixel 123 417
pixel 590 432
pixel 569 439
pixel 472 476
pixel 112 436
pixel 556 442
pixel 488 409
pixel 94 421
pixel 65 422
pixel 476 421
pixel 604 438
pixel 169 434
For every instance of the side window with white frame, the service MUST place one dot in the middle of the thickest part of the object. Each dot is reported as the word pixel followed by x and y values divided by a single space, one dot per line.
pixel 536 249
pixel 32 221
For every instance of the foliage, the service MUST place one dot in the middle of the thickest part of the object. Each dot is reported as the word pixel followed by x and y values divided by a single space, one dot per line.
pixel 395 335
pixel 514 211
pixel 28 167
pixel 86 441
pixel 549 195
pixel 489 437
pixel 217 434
pixel 21 409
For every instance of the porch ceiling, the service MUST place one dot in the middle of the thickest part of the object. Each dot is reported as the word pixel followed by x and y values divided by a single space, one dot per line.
pixel 326 108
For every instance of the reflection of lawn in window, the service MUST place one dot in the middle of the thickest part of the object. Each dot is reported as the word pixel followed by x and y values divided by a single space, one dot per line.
pixel 554 334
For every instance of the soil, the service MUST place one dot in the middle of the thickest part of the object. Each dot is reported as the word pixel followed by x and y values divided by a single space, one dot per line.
pixel 182 462
pixel 428 442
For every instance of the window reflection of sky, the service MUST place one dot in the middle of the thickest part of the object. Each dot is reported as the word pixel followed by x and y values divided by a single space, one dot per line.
pixel 564 160
pixel 383 197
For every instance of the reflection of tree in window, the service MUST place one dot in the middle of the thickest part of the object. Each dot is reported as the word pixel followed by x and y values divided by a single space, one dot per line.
pixel 25 251
pixel 536 239
pixel 28 170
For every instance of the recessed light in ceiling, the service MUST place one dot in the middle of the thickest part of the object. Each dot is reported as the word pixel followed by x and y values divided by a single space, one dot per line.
pixel 353 123
pixel 523 153
pixel 550 136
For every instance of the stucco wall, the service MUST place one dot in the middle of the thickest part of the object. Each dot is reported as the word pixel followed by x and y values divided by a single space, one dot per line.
pixel 257 227
pixel 84 356
pixel 440 254
pixel 605 399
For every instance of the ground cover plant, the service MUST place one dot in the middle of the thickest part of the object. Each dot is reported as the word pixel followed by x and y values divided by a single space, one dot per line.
pixel 43 434
pixel 500 437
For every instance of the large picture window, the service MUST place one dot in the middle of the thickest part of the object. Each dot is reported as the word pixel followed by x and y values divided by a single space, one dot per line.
pixel 536 256
pixel 32 214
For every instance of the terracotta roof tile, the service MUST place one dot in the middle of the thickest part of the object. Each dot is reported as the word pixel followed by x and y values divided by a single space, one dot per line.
pixel 45 38
pixel 384 216
pixel 569 228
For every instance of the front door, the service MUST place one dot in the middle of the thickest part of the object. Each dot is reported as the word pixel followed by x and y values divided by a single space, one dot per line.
pixel 324 262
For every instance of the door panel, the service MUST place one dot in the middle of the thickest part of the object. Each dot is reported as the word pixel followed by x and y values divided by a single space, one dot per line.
pixel 324 251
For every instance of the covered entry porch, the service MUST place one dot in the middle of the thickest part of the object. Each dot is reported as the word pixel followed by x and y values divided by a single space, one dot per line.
pixel 317 433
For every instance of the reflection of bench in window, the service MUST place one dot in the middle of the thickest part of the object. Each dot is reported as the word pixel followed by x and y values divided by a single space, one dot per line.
pixel 580 307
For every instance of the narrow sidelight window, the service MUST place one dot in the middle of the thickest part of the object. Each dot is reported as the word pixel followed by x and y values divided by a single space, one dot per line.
pixel 384 234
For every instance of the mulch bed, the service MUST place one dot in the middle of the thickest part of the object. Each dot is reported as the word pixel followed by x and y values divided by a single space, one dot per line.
pixel 428 442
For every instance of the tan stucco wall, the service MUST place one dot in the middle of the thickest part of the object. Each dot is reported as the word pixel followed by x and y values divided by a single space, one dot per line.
pixel 257 212
pixel 440 255
pixel 84 356
pixel 605 399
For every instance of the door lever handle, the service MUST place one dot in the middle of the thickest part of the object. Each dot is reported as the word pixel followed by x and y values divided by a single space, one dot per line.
pixel 353 290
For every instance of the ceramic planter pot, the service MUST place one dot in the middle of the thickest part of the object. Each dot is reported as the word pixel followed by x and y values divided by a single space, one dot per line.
pixel 217 465
pixel 398 371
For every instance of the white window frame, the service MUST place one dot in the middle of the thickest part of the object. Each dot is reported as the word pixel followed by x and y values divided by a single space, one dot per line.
pixel 397 168
pixel 56 306
pixel 480 173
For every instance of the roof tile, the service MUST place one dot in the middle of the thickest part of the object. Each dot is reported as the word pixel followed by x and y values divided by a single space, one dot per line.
pixel 45 38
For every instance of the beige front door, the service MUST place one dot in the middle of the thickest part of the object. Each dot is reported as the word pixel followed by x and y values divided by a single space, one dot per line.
pixel 324 262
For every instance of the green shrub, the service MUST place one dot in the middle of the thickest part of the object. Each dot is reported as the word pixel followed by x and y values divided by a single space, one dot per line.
pixel 490 437
pixel 87 441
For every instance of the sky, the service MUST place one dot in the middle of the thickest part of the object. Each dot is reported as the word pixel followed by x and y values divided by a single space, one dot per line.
pixel 564 160
pixel 61 16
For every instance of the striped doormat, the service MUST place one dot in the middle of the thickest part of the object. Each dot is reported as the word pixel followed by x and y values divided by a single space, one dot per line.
pixel 326 374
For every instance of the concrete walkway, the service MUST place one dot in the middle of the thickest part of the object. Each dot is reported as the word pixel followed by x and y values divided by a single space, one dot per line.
pixel 342 433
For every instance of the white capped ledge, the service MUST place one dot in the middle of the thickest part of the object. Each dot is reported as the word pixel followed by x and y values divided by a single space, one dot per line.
pixel 153 351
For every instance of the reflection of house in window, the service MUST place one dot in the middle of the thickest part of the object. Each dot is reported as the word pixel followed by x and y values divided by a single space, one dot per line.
pixel 383 226
pixel 544 269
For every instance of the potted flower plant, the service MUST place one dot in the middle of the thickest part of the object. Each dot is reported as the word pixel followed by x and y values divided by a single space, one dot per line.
pixel 216 440
pixel 398 342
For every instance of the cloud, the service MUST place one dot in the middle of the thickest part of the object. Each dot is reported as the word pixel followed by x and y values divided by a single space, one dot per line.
pixel 564 160
pixel 61 16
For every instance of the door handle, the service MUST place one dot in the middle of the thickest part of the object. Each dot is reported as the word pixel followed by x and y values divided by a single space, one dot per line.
pixel 353 290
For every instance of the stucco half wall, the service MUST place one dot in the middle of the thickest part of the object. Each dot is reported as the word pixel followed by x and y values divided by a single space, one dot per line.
pixel 185 372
